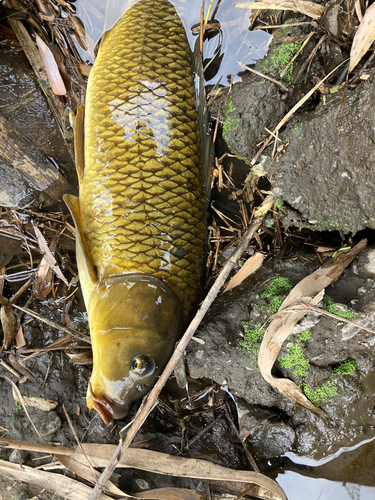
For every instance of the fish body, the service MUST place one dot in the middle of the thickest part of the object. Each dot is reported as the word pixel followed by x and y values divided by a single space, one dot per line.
pixel 140 214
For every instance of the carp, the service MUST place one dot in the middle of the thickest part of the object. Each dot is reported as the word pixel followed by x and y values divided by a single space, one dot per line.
pixel 139 218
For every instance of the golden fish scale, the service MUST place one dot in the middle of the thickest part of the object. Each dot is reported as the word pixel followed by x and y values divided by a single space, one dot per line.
pixel 141 195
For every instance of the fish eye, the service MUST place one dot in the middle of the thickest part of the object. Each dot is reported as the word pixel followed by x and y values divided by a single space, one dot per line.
pixel 143 365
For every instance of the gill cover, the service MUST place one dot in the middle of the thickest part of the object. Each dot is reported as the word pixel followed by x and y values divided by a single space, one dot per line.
pixel 134 323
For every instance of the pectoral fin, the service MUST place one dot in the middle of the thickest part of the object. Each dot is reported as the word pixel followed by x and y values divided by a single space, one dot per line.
pixel 87 273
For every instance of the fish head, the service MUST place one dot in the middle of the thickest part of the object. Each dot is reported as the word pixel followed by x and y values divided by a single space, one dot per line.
pixel 134 324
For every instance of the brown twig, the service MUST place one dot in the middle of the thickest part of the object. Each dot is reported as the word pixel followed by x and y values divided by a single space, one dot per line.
pixel 201 30
pixel 249 456
pixel 204 431
pixel 307 63
pixel 149 403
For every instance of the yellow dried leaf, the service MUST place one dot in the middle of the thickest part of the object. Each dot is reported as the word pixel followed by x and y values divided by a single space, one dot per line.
pixel 20 339
pixel 363 38
pixel 250 266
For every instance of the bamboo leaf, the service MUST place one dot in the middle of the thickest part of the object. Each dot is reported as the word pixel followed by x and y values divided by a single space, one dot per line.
pixel 310 9
pixel 364 37
pixel 310 290
pixel 98 455
pixel 50 65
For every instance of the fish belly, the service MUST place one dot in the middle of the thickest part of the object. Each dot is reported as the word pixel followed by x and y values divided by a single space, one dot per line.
pixel 141 195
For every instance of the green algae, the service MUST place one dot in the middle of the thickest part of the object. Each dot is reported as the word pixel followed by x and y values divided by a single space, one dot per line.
pixel 322 394
pixel 347 367
pixel 279 285
pixel 230 124
pixel 296 360
pixel 329 306
pixel 278 57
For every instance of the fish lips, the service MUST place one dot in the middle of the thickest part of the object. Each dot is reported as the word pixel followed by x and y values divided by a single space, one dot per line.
pixel 107 408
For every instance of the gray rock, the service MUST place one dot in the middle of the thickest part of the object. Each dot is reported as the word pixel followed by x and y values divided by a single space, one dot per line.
pixel 252 106
pixel 15 191
pixel 347 399
pixel 366 263
pixel 21 496
pixel 327 172
pixel 51 424
pixel 270 440
pixel 15 456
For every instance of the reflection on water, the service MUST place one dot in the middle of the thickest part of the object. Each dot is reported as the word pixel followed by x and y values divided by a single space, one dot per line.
pixel 239 44
pixel 299 487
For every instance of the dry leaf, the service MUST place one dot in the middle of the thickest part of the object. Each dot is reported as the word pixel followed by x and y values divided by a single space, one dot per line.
pixel 48 254
pixel 8 322
pixel 88 473
pixel 358 11
pixel 50 65
pixel 16 362
pixel 170 494
pixel 250 266
pixel 363 38
pixel 42 284
pixel 310 9
pixel 35 402
pixel 58 484
pixel 68 488
pixel 20 339
pixel 310 290
pixel 159 463
pixel 84 69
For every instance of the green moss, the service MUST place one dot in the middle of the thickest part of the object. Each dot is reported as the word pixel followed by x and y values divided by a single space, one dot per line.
pixel 347 367
pixel 329 306
pixel 304 336
pixel 295 360
pixel 275 304
pixel 230 105
pixel 230 124
pixel 321 394
pixel 278 285
pixel 252 338
pixel 278 57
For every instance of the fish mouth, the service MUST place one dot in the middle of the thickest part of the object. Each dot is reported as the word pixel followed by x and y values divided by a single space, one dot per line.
pixel 105 406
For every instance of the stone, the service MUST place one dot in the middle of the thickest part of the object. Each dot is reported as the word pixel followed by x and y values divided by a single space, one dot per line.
pixel 326 172
pixel 269 440
pixel 51 424
pixel 366 262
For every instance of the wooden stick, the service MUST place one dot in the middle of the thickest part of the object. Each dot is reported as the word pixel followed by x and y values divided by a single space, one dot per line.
pixel 150 401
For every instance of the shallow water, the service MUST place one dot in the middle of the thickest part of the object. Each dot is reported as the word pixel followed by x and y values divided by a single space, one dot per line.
pixel 238 44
